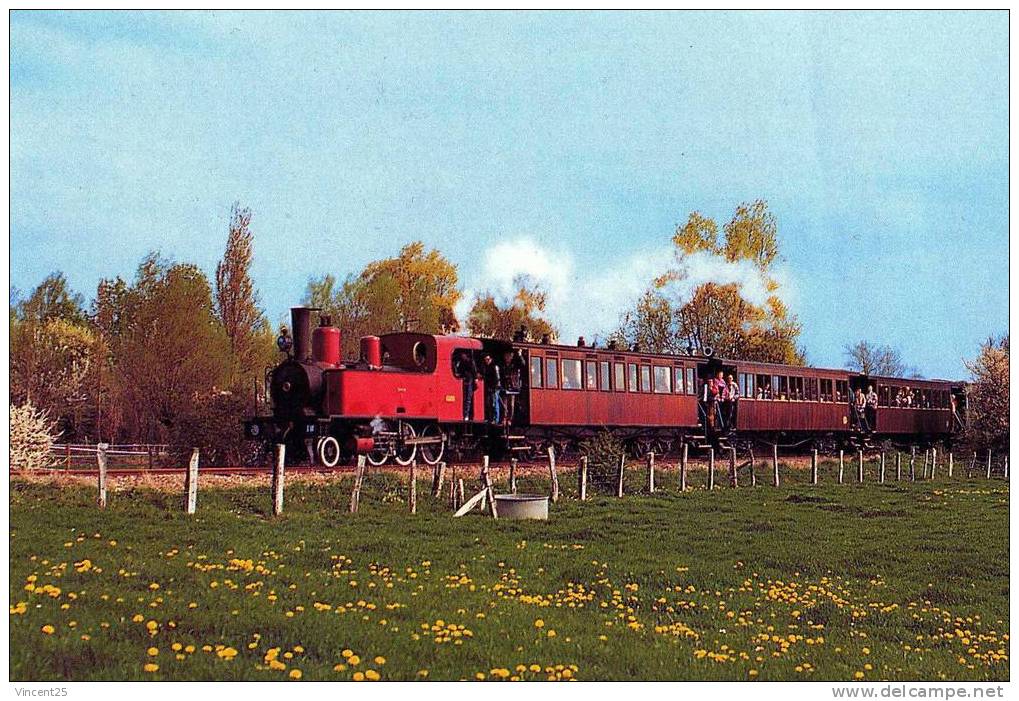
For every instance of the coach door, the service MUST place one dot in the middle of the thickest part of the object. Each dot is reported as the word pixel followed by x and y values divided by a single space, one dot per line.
pixel 715 416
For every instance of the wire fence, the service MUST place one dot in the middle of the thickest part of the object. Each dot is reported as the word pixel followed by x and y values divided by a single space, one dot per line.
pixel 82 456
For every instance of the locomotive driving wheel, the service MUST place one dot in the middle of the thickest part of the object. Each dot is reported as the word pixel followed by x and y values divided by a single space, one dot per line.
pixel 405 454
pixel 432 453
pixel 328 451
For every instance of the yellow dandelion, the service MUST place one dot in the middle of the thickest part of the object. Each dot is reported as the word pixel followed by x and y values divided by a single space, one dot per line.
pixel 151 667
pixel 152 651
pixel 48 629
pixel 295 674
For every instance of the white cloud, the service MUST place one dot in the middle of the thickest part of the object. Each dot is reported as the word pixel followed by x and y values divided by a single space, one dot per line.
pixel 591 304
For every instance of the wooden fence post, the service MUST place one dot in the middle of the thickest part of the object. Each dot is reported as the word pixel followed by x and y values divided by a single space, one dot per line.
pixel 191 484
pixel 774 464
pixel 934 461
pixel 842 465
pixel 355 491
pixel 461 492
pixel 912 463
pixel 733 476
pixel 926 460
pixel 898 466
pixel 149 453
pixel 951 464
pixel 67 452
pixel 1006 467
pixel 277 479
pixel 440 474
pixel 988 463
pixel 711 468
pixel 881 469
pixel 513 476
pixel 622 472
pixel 682 466
pixel 859 470
pixel 554 475
pixel 101 460
pixel 452 495
pixel 581 478
pixel 972 466
pixel 651 472
pixel 753 470
pixel 413 486
pixel 813 467
pixel 486 477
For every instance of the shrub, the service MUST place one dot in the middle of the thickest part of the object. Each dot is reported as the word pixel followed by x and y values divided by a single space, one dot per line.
pixel 213 425
pixel 32 436
pixel 602 451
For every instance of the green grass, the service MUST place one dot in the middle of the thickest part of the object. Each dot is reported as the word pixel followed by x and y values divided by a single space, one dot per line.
pixel 798 582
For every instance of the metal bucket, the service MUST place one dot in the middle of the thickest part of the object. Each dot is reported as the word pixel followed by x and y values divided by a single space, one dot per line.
pixel 522 506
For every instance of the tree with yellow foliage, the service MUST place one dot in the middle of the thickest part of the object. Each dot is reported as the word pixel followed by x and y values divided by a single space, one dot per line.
pixel 714 314
pixel 415 291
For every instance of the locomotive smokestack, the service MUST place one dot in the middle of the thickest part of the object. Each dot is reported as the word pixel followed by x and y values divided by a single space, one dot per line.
pixel 300 321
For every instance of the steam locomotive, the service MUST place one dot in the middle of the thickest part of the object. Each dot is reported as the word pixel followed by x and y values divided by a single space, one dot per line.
pixel 405 397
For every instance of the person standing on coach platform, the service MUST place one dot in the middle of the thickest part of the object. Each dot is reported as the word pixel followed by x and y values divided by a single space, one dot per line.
pixel 493 386
pixel 467 371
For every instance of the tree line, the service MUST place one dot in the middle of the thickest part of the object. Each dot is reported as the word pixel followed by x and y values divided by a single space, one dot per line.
pixel 171 356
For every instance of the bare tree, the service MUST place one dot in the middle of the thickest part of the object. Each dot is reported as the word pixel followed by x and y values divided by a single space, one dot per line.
pixel 870 359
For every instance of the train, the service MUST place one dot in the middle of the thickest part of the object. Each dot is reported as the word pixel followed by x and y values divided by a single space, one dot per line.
pixel 405 398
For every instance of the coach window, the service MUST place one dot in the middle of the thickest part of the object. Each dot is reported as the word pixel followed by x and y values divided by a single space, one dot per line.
pixel 826 391
pixel 662 376
pixel 645 378
pixel 691 386
pixel 571 374
pixel 796 388
pixel 536 372
pixel 778 388
pixel 841 390
pixel 605 375
pixel 551 373
pixel 631 375
pixel 591 374
pixel 620 377
pixel 883 395
pixel 810 389
pixel 677 380
pixel 764 387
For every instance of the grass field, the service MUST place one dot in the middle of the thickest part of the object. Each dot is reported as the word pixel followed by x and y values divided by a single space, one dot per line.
pixel 872 582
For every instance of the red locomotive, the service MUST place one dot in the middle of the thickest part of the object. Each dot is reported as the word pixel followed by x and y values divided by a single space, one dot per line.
pixel 405 398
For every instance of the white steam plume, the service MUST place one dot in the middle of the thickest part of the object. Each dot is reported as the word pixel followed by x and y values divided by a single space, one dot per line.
pixel 592 306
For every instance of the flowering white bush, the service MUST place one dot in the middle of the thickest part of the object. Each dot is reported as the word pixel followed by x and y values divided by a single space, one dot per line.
pixel 32 435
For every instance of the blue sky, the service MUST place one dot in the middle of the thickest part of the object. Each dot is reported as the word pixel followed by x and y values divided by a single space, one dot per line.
pixel 577 141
